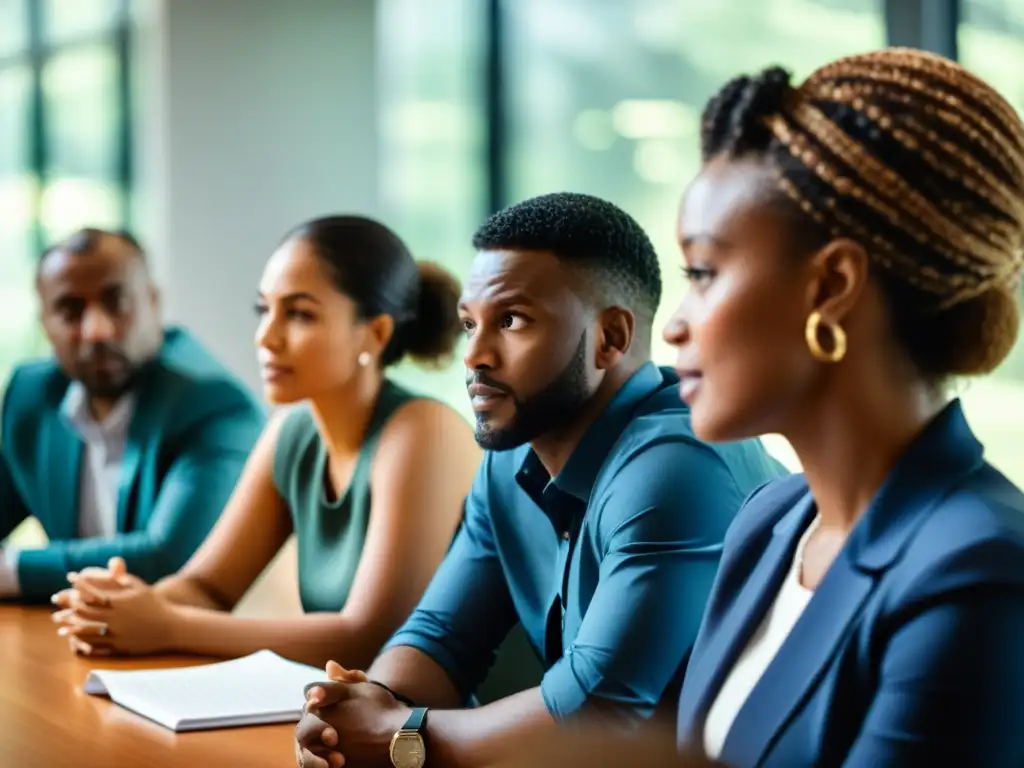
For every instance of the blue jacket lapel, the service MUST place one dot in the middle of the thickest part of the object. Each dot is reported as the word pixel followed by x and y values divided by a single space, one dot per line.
pixel 723 644
pixel 944 453
pixel 800 662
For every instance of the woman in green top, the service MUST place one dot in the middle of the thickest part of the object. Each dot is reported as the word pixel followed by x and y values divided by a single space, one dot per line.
pixel 370 478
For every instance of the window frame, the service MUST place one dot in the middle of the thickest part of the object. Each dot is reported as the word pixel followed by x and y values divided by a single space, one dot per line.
pixel 38 53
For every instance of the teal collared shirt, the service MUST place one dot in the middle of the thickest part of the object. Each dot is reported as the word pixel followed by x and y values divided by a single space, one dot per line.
pixel 104 444
pixel 607 566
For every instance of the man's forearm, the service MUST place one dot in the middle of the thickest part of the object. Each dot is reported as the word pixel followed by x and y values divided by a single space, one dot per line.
pixel 44 571
pixel 592 745
pixel 460 737
pixel 469 738
pixel 413 674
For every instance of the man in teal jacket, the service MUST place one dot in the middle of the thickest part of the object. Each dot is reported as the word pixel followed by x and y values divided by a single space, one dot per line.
pixel 130 441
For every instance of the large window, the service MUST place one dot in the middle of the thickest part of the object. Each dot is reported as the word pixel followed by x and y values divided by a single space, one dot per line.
pixel 991 42
pixel 595 95
pixel 604 97
pixel 64 155
pixel 432 126
pixel 609 102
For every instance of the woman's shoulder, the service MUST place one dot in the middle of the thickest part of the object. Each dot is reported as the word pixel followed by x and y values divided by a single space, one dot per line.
pixel 295 433
pixel 973 536
pixel 293 424
pixel 410 415
pixel 987 502
pixel 414 425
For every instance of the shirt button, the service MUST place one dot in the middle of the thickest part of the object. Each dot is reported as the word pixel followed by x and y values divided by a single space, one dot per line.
pixel 565 535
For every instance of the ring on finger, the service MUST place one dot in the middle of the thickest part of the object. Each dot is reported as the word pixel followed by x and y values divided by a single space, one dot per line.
pixel 102 630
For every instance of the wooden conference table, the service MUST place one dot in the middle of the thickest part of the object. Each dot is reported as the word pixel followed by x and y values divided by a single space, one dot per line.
pixel 47 720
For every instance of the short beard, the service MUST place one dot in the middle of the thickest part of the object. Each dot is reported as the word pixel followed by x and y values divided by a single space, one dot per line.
pixel 102 390
pixel 554 406
pixel 109 387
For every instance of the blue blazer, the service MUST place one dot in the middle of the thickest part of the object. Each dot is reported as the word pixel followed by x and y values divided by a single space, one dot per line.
pixel 193 427
pixel 910 652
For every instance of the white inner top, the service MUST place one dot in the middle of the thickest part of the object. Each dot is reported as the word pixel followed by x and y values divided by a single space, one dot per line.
pixel 764 644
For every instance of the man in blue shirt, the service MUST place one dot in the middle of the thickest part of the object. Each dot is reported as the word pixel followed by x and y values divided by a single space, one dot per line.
pixel 596 519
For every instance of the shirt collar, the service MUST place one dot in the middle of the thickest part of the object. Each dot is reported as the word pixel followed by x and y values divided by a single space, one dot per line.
pixel 74 408
pixel 580 471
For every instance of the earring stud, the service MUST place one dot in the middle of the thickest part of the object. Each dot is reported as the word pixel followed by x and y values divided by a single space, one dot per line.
pixel 364 358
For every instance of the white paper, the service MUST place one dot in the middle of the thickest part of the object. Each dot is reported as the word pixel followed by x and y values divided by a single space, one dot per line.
pixel 253 690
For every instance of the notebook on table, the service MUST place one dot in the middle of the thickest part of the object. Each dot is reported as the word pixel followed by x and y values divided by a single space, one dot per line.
pixel 258 689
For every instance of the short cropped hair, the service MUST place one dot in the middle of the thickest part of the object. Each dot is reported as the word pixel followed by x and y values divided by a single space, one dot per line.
pixel 589 232
pixel 87 239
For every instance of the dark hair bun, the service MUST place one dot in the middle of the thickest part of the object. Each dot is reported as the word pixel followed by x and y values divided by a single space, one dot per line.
pixel 432 334
pixel 970 338
pixel 735 120
pixel 979 333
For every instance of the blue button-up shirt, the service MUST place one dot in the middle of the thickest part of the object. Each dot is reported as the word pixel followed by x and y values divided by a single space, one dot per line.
pixel 607 565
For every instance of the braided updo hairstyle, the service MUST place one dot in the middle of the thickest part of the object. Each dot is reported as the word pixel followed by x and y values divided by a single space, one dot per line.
pixel 920 162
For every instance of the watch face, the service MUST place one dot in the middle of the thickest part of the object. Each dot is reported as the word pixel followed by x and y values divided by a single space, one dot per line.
pixel 407 751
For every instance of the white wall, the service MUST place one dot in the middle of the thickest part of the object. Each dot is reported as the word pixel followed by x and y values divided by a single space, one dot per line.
pixel 251 115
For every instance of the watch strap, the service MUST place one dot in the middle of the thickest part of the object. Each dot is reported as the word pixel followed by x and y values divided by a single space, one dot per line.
pixel 415 721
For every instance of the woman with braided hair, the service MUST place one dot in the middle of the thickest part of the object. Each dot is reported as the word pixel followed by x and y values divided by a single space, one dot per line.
pixel 853 243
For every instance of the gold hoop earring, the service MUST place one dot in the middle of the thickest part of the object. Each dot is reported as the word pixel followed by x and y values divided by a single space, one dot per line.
pixel 814 324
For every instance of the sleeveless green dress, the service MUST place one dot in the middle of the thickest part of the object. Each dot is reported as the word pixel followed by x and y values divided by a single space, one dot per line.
pixel 329 533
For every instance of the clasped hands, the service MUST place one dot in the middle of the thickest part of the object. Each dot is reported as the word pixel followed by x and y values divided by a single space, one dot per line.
pixel 108 610
pixel 348 721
